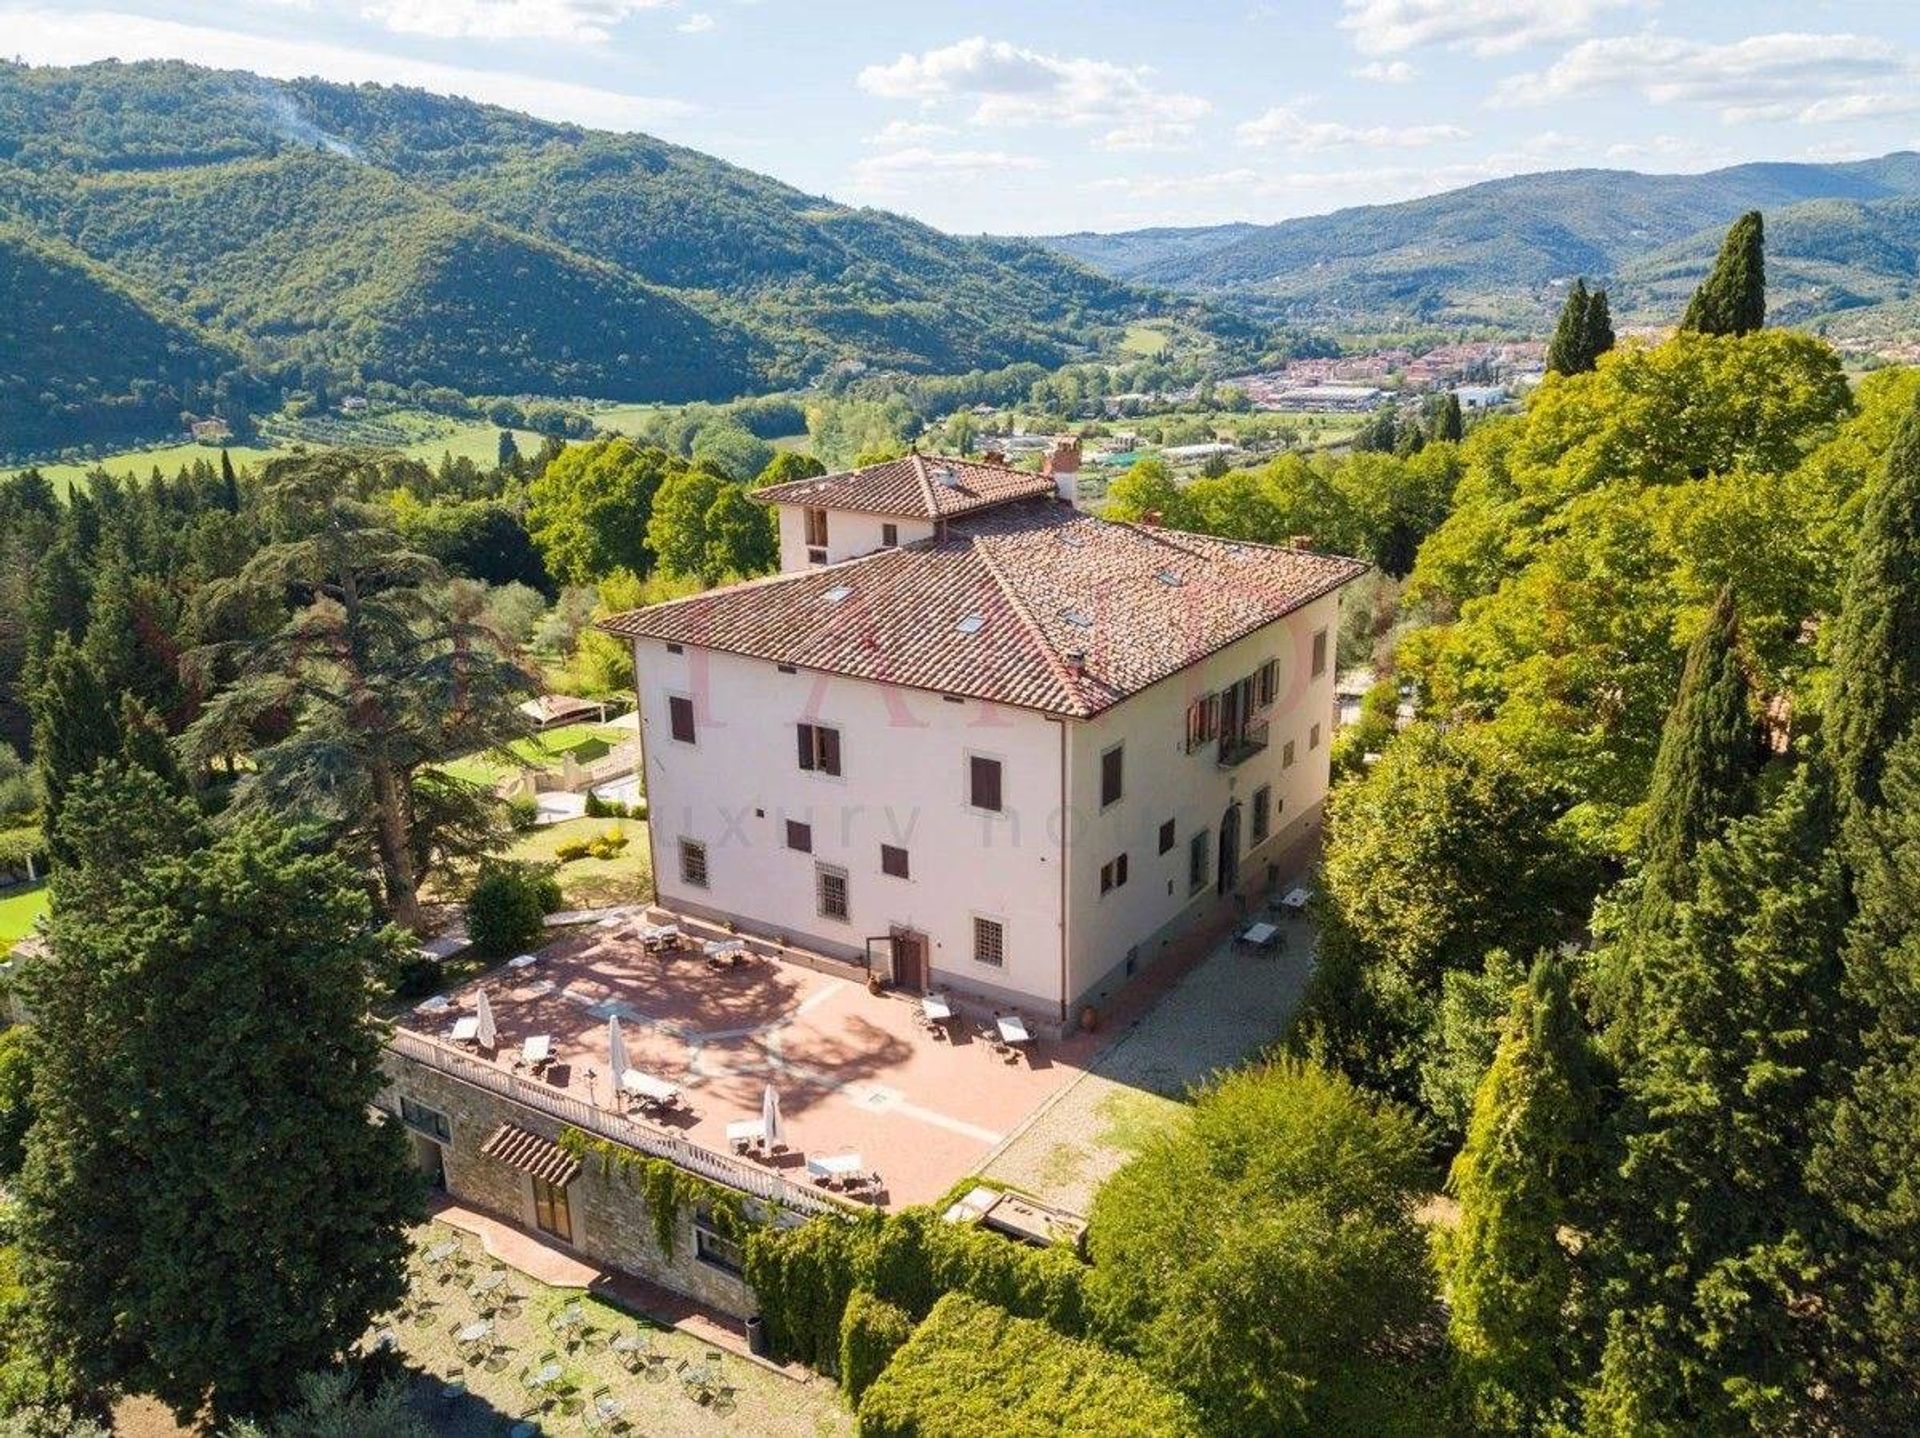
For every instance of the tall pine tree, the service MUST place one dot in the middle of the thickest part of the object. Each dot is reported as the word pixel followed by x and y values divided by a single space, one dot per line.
pixel 1448 422
pixel 1732 300
pixel 1597 333
pixel 206 1210
pixel 1875 696
pixel 1517 1303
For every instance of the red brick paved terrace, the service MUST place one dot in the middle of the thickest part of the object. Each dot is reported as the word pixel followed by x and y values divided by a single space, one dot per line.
pixel 854 1071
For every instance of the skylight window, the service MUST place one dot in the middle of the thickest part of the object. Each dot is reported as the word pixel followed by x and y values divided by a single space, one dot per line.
pixel 837 593
pixel 1168 577
pixel 972 624
pixel 1079 618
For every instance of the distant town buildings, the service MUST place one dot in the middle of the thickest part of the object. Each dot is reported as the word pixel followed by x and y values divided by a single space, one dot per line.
pixel 1360 382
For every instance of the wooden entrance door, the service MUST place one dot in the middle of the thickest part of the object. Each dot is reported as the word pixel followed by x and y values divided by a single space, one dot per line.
pixel 551 1212
pixel 910 961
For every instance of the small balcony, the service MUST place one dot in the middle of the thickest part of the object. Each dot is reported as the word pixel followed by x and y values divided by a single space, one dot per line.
pixel 1236 749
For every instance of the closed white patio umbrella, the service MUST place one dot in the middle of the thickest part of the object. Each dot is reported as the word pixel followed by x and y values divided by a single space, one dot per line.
pixel 773 1132
pixel 616 1050
pixel 485 1034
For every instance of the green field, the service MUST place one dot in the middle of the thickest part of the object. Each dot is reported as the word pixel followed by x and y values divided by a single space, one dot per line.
pixel 589 883
pixel 1144 341
pixel 416 433
pixel 586 742
pixel 18 909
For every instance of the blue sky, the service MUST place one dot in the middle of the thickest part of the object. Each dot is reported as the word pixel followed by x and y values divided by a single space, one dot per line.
pixel 1077 115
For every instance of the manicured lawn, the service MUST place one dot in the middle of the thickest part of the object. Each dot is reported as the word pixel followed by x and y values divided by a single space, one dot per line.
pixel 750 1400
pixel 18 909
pixel 586 742
pixel 592 883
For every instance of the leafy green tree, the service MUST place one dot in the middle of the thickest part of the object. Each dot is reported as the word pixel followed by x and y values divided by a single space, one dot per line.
pixel 1732 300
pixel 507 910
pixel 589 507
pixel 1147 488
pixel 1516 1297
pixel 1449 848
pixel 333 1405
pixel 677 530
pixel 1567 350
pixel 741 537
pixel 368 685
pixel 203 1068
pixel 1263 1256
pixel 16 1097
pixel 787 466
pixel 506 452
pixel 1875 688
pixel 732 451
pixel 1711 1232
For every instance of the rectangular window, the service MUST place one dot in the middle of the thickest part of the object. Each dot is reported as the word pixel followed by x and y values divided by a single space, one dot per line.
pixel 1313 737
pixel 799 836
pixel 1113 874
pixel 833 892
pixel 1203 721
pixel 1319 653
pixel 989 942
pixel 693 863
pixel 816 528
pixel 1262 812
pixel 1112 765
pixel 1166 836
pixel 983 783
pixel 551 1211
pixel 1286 755
pixel 819 748
pixel 889 535
pixel 893 861
pixel 713 1247
pixel 680 718
pixel 1197 862
pixel 1269 683
pixel 429 1121
pixel 676 649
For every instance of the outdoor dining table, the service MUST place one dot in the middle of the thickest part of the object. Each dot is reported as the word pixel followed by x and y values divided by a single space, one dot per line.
pixel 745 1132
pixel 539 989
pixel 1013 1029
pixel 537 1049
pixel 547 1376
pixel 1296 899
pixel 489 1284
pixel 724 948
pixel 936 1008
pixel 835 1165
pixel 645 1086
pixel 475 1332
pixel 466 1028
pixel 441 1252
pixel 1260 935
pixel 438 1004
pixel 521 961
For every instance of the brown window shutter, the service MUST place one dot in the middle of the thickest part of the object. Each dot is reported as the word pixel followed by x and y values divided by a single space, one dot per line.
pixel 804 733
pixel 829 749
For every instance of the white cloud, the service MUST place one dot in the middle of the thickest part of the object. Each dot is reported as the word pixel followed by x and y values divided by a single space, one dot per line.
pixel 1486 27
pixel 901 170
pixel 1005 84
pixel 581 21
pixel 697 24
pixel 1385 72
pixel 1284 125
pixel 901 132
pixel 1758 78
pixel 48 37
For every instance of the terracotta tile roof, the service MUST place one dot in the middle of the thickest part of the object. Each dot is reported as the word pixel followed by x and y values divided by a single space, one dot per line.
pixel 916 486
pixel 999 606
pixel 525 1150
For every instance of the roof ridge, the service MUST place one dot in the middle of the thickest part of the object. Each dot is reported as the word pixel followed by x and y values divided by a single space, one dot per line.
pixel 926 486
pixel 760 581
pixel 1054 663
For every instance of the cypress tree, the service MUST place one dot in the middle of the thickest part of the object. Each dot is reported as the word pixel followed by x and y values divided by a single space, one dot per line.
pixel 1597 334
pixel 1874 700
pixel 1516 1297
pixel 74 730
pixel 1448 422
pixel 1567 352
pixel 206 1211
pixel 229 484
pixel 1710 1219
pixel 1732 300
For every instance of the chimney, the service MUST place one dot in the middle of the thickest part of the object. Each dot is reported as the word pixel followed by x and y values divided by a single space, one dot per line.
pixel 1076 660
pixel 1151 519
pixel 994 456
pixel 1063 467
pixel 1300 541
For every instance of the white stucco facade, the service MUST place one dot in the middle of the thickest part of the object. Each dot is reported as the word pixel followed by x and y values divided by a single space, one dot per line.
pixel 849 532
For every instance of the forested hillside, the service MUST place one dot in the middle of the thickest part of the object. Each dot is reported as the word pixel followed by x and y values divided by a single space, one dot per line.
pixel 1487 252
pixel 332 234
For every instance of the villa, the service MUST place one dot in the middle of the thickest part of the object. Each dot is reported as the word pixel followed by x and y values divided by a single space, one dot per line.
pixel 979 741
pixel 970 744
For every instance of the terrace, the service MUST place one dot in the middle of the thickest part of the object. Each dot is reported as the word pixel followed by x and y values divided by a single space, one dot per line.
pixel 856 1073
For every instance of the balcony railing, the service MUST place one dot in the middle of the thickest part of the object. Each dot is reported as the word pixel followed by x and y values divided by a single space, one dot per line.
pixel 721 1168
pixel 1238 748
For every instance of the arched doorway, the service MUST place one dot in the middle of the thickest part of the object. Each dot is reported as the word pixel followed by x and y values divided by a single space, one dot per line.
pixel 1229 848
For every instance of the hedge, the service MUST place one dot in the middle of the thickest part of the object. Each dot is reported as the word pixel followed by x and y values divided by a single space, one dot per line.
pixel 508 907
pixel 804 1276
pixel 972 1370
pixel 870 1334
